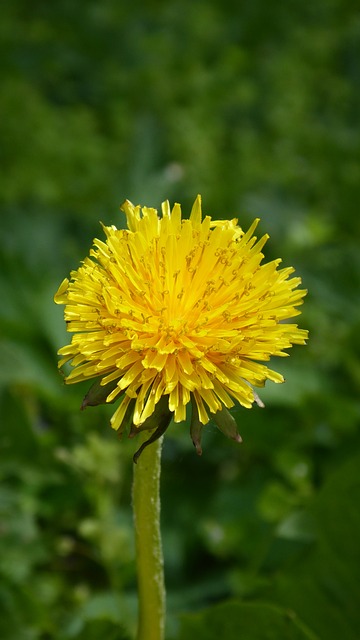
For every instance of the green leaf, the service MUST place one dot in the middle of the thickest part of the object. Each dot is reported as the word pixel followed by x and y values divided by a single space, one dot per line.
pixel 235 620
pixel 326 591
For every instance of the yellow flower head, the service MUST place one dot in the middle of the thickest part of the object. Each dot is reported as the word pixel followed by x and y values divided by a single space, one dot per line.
pixel 170 311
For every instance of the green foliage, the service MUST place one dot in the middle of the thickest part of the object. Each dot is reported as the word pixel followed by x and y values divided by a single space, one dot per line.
pixel 251 621
pixel 326 588
pixel 255 105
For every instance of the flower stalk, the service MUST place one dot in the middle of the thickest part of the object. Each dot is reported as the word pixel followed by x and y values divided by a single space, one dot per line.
pixel 149 555
pixel 168 313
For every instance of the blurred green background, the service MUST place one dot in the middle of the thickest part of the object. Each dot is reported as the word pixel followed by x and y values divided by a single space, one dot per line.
pixel 255 105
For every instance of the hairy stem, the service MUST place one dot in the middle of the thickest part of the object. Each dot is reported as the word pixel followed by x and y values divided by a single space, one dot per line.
pixel 149 555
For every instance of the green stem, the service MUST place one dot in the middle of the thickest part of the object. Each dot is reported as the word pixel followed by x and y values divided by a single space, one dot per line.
pixel 149 556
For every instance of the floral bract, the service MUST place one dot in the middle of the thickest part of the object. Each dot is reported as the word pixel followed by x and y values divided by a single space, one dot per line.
pixel 178 311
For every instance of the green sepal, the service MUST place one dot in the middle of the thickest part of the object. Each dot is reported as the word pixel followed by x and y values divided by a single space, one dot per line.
pixel 226 423
pixel 196 428
pixel 159 420
pixel 98 393
pixel 126 423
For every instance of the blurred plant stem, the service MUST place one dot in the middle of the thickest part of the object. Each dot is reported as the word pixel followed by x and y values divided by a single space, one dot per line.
pixel 149 555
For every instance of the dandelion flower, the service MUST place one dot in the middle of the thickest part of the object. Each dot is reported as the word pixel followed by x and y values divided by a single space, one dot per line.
pixel 174 311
